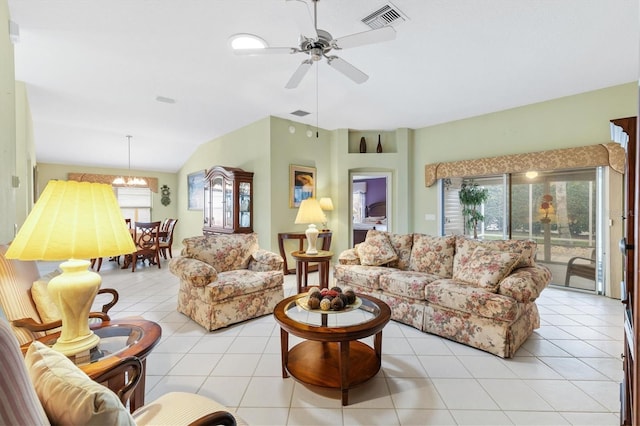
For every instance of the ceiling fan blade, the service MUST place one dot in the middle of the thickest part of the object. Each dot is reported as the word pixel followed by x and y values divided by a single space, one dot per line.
pixel 366 37
pixel 303 17
pixel 347 69
pixel 299 74
pixel 265 51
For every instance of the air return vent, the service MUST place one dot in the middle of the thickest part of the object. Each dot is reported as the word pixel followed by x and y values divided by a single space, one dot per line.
pixel 300 113
pixel 388 14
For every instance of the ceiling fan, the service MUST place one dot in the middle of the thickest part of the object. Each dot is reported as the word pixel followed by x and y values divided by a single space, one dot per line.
pixel 317 44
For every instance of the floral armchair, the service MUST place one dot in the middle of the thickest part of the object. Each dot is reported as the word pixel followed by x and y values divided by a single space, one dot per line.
pixel 226 279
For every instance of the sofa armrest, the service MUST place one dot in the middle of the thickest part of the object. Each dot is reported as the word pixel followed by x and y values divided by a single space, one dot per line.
pixel 264 260
pixel 349 257
pixel 193 271
pixel 525 284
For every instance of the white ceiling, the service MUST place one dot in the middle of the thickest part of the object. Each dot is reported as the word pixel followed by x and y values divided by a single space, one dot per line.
pixel 94 68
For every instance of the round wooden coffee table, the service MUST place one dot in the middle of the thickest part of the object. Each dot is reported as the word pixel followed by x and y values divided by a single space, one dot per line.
pixel 331 356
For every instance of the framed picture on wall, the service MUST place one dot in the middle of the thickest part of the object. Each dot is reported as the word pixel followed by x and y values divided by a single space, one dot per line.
pixel 195 190
pixel 302 184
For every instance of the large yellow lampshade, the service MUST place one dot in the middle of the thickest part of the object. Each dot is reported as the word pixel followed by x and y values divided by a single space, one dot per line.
pixel 311 213
pixel 76 221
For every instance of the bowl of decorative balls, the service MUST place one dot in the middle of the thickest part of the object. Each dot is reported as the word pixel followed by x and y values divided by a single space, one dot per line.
pixel 331 300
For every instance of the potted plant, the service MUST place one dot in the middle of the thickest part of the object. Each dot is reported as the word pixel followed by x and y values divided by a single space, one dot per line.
pixel 471 197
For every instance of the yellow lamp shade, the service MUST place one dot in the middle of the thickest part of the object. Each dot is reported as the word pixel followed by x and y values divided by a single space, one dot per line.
pixel 310 212
pixel 73 220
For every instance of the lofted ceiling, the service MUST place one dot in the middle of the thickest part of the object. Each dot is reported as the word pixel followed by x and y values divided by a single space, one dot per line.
pixel 93 69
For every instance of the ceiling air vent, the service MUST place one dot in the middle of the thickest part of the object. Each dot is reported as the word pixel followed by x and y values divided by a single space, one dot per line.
pixel 300 113
pixel 388 14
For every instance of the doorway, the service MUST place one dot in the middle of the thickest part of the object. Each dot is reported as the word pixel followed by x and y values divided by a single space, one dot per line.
pixel 369 203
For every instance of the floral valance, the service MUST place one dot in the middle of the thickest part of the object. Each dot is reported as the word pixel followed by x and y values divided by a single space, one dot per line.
pixel 606 154
pixel 152 183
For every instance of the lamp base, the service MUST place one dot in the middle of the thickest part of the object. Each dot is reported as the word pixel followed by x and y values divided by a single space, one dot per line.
pixel 312 238
pixel 73 292
pixel 81 344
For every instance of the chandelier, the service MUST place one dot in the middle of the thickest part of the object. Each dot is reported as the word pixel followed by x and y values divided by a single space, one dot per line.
pixel 130 181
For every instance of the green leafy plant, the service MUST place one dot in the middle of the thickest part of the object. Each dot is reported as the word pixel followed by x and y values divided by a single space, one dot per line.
pixel 471 197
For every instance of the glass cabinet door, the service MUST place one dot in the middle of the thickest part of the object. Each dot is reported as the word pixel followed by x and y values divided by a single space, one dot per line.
pixel 217 202
pixel 245 203
pixel 228 204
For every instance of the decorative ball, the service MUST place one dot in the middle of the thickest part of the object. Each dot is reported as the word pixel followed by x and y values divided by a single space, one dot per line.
pixel 338 289
pixel 325 304
pixel 344 298
pixel 313 303
pixel 313 290
pixel 351 296
pixel 315 295
pixel 337 304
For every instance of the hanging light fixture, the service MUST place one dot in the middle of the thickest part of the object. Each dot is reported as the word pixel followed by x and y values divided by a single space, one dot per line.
pixel 131 181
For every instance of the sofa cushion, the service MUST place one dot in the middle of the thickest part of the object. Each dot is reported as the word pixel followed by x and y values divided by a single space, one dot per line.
pixel 68 395
pixel 223 252
pixel 465 247
pixel 359 275
pixel 376 249
pixel 473 300
pixel 349 256
pixel 406 283
pixel 433 255
pixel 241 282
pixel 486 268
pixel 44 303
pixel 402 245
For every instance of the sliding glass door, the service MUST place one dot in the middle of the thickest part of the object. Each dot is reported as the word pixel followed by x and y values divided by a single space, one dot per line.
pixel 557 209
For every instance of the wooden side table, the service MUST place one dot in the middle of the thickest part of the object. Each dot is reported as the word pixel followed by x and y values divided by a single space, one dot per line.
pixel 302 267
pixel 119 339
pixel 301 237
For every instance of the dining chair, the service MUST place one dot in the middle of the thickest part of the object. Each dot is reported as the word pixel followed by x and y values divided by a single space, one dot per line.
pixel 146 235
pixel 166 241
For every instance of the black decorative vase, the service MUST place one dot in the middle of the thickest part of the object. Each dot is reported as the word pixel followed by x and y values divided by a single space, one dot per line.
pixel 379 148
pixel 363 145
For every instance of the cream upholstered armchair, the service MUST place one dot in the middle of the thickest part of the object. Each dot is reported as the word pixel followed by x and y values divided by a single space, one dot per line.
pixel 45 387
pixel 226 279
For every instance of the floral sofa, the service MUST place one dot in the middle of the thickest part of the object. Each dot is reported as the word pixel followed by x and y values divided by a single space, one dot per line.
pixel 479 293
pixel 227 278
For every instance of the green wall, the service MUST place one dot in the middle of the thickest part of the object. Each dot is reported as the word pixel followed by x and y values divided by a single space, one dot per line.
pixel 7 129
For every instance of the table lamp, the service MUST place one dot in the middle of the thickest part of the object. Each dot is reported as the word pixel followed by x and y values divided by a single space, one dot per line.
pixel 76 221
pixel 326 205
pixel 311 213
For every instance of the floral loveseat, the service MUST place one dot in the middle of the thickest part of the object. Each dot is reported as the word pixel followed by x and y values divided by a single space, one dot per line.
pixel 479 293
pixel 225 279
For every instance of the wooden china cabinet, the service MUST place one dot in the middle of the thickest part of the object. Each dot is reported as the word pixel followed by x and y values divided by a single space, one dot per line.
pixel 630 391
pixel 228 201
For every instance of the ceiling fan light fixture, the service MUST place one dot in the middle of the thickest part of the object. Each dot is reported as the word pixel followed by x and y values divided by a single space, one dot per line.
pixel 316 53
pixel 246 41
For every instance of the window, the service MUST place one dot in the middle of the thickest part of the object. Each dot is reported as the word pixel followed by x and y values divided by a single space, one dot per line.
pixel 135 203
pixel 557 209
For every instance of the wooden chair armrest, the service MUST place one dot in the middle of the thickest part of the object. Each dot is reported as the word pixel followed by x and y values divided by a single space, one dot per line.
pixel 114 293
pixel 33 326
pixel 573 259
pixel 223 418
pixel 113 376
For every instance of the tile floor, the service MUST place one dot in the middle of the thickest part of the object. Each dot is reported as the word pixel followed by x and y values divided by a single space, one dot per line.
pixel 568 372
